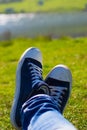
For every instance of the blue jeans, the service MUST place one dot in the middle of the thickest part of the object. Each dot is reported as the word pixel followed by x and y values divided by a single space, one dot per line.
pixel 41 113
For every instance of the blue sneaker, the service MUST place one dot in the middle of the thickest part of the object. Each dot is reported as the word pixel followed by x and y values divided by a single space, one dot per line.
pixel 29 82
pixel 59 81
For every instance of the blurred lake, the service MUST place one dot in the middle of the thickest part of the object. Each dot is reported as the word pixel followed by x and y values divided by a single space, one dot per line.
pixel 51 24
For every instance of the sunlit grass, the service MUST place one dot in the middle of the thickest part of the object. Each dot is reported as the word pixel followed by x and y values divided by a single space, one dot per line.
pixel 68 51
pixel 48 6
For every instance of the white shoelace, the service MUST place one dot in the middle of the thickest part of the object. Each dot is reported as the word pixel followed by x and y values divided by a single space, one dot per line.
pixel 36 73
pixel 57 93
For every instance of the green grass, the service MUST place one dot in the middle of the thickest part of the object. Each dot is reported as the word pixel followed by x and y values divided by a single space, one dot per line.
pixel 49 6
pixel 68 51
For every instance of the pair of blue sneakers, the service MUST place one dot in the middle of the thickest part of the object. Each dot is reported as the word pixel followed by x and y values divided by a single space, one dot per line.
pixel 29 82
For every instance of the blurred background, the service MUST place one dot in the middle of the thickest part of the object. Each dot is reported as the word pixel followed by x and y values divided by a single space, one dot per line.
pixel 31 18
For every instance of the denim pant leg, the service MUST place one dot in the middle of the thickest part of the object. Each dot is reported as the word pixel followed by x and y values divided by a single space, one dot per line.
pixel 41 113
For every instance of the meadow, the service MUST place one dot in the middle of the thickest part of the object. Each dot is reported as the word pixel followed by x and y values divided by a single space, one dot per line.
pixel 48 6
pixel 65 50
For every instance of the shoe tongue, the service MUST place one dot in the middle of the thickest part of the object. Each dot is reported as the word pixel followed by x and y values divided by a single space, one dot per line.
pixel 40 88
pixel 40 84
pixel 44 86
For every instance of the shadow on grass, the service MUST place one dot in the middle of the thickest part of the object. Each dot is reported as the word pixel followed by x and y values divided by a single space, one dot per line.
pixel 6 43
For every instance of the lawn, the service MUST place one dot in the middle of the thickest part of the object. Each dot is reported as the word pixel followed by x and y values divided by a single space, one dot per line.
pixel 65 50
pixel 48 6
